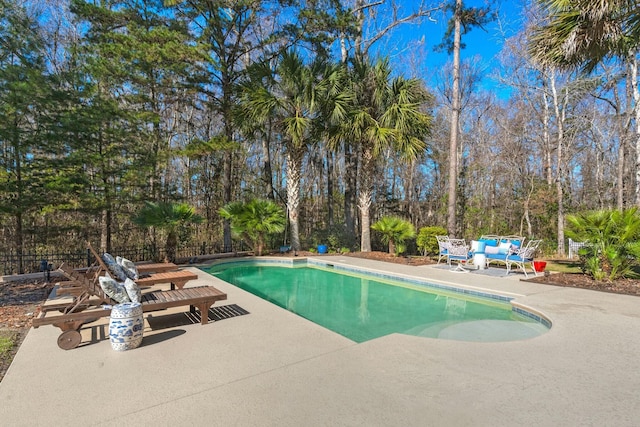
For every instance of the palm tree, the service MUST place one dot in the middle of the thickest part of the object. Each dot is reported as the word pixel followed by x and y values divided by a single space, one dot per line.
pixel 290 99
pixel 254 220
pixel 395 231
pixel 386 116
pixel 582 33
pixel 612 241
pixel 170 217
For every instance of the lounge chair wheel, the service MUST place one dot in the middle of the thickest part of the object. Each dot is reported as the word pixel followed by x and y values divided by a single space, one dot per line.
pixel 69 339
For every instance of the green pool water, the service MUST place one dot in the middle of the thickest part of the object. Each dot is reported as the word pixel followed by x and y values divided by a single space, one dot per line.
pixel 362 308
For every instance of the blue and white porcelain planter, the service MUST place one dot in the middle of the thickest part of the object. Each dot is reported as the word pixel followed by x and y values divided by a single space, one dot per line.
pixel 126 326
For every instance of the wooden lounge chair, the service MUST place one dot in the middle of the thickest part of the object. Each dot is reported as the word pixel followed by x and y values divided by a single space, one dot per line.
pixel 156 267
pixel 177 279
pixel 91 303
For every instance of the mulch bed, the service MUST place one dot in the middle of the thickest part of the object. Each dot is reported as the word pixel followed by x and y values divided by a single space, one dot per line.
pixel 578 280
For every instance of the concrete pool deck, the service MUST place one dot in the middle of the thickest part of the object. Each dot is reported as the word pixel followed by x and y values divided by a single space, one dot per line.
pixel 273 368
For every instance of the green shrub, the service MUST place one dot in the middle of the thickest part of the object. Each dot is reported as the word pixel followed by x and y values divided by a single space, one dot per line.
pixel 254 220
pixel 395 231
pixel 334 237
pixel 427 242
pixel 612 238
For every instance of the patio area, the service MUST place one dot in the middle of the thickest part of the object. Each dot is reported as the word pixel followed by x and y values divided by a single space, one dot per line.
pixel 272 368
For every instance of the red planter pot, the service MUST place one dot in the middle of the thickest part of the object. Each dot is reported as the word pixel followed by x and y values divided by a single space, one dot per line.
pixel 539 266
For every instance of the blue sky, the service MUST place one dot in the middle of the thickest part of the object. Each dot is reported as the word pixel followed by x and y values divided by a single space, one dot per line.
pixel 419 40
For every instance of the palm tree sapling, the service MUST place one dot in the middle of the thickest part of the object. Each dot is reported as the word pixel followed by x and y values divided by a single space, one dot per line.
pixel 253 220
pixel 169 217
pixel 395 231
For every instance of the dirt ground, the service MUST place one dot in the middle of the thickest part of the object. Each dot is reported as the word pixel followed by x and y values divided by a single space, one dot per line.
pixel 20 301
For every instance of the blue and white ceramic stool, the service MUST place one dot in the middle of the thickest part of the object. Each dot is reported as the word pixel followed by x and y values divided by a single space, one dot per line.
pixel 126 326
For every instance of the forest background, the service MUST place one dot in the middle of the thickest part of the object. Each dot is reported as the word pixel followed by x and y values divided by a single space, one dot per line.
pixel 107 105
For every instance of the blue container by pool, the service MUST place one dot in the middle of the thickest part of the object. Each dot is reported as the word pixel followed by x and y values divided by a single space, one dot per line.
pixel 322 249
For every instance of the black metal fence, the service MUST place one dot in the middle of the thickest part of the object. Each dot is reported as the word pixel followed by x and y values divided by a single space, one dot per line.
pixel 34 263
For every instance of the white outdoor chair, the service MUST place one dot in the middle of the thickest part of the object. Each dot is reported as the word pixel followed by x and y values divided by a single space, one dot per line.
pixel 522 256
pixel 442 247
pixel 458 250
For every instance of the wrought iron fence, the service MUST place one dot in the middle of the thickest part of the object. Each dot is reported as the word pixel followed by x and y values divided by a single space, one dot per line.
pixel 43 260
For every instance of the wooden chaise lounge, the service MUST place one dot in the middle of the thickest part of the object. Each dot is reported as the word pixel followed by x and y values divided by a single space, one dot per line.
pixel 177 279
pixel 91 303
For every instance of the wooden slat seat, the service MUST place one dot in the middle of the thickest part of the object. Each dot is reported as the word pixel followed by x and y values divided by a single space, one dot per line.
pixel 157 267
pixel 177 279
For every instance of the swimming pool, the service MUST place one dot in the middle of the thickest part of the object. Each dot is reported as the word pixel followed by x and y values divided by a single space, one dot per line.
pixel 363 307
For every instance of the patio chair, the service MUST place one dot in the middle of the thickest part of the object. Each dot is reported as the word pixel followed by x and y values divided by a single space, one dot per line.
pixel 522 256
pixel 458 250
pixel 442 247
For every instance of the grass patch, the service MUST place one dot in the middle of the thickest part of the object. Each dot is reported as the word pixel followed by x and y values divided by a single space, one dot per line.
pixel 7 343
pixel 563 266
pixel 571 266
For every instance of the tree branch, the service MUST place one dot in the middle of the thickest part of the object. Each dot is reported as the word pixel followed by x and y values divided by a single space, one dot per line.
pixel 420 13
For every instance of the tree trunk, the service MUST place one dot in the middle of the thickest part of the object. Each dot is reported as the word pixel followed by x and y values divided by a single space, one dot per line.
pixel 105 231
pixel 19 242
pixel 172 243
pixel 350 185
pixel 455 117
pixel 294 166
pixel 636 104
pixel 546 138
pixel 226 198
pixel 267 173
pixel 330 189
pixel 560 117
pixel 259 245
pixel 364 199
pixel 409 193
